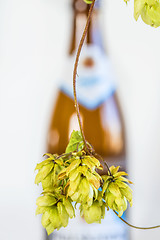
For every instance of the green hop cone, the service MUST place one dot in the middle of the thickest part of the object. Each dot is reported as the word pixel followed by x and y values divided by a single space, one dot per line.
pixel 149 11
pixel 116 191
pixel 55 212
pixel 48 171
pixel 83 180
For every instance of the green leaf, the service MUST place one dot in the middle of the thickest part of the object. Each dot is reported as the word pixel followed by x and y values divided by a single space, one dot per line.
pixel 75 142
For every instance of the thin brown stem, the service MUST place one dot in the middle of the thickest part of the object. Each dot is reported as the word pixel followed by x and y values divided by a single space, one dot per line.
pixel 75 72
pixel 98 155
pixel 130 225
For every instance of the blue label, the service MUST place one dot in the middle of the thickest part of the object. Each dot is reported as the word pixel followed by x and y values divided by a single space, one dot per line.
pixel 95 83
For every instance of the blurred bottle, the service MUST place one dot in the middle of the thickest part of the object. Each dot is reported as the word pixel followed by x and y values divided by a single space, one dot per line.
pixel 101 116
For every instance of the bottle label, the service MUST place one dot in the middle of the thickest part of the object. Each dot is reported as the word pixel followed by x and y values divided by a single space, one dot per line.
pixel 95 78
pixel 111 228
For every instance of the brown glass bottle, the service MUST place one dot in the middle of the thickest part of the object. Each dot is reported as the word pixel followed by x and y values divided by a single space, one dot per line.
pixel 102 123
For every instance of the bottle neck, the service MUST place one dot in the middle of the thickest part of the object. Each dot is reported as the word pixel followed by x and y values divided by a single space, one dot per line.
pixel 80 9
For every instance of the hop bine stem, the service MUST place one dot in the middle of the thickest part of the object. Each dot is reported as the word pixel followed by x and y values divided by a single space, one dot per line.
pixel 136 227
pixel 75 73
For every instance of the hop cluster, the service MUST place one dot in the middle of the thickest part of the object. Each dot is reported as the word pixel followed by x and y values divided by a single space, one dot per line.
pixel 72 178
pixel 115 190
pixel 83 180
pixel 149 11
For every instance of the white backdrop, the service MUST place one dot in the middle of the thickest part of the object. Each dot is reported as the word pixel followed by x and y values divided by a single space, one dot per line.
pixel 33 40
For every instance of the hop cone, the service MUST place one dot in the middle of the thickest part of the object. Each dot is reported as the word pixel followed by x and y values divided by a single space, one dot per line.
pixel 56 211
pixel 83 180
pixel 48 171
pixel 95 212
pixel 115 190
pixel 149 11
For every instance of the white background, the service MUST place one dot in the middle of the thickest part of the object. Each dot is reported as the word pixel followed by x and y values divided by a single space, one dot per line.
pixel 34 37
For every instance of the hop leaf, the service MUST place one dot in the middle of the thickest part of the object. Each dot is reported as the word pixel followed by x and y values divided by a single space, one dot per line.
pixel 115 190
pixel 75 142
